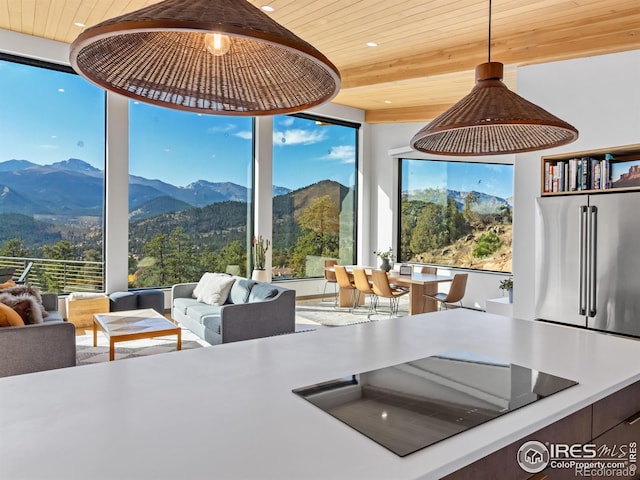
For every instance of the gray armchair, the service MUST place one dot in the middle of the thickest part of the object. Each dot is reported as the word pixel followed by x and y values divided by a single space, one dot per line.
pixel 33 348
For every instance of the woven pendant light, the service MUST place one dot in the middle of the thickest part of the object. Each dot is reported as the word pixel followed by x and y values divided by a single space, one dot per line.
pixel 492 120
pixel 223 57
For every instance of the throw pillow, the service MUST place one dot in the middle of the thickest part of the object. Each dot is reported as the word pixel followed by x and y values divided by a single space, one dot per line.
pixel 25 300
pixel 202 285
pixel 240 290
pixel 23 308
pixel 261 292
pixel 215 288
pixel 9 317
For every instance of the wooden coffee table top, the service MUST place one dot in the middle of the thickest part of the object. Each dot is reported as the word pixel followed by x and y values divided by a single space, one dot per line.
pixel 133 322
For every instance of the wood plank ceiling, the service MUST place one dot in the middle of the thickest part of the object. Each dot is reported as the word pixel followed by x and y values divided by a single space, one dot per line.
pixel 426 49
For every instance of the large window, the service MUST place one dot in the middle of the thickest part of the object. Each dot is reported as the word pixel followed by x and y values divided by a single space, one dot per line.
pixel 52 154
pixel 189 195
pixel 456 214
pixel 314 188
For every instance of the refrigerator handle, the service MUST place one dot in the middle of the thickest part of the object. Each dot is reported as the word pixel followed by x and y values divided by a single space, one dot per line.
pixel 593 257
pixel 582 306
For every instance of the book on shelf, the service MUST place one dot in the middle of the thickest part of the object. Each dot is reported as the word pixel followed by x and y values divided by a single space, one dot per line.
pixel 576 174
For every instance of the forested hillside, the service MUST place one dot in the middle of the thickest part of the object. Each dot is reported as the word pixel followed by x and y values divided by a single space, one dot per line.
pixel 32 232
pixel 448 228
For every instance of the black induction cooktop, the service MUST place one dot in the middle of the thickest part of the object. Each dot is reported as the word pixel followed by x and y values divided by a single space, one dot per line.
pixel 409 406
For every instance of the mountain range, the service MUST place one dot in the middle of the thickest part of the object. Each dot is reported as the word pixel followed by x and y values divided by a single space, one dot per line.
pixel 73 187
pixel 483 203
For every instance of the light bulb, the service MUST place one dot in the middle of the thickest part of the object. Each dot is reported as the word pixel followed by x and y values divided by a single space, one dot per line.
pixel 217 43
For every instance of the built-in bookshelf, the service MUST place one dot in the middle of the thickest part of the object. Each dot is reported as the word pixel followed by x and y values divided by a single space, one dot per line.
pixel 592 171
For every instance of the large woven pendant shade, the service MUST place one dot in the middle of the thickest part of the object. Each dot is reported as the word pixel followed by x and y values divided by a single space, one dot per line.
pixel 492 120
pixel 158 55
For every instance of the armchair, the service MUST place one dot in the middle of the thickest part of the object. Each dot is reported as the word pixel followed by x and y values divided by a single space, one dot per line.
pixel 34 348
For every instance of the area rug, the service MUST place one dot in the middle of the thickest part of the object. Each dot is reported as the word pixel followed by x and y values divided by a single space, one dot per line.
pixel 310 314
pixel 87 354
pixel 324 312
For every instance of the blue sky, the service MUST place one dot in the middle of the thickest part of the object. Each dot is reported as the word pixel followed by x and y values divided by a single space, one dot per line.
pixel 49 116
pixel 39 121
pixel 493 179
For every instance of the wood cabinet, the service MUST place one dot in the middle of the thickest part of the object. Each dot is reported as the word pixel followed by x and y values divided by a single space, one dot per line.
pixel 606 422
pixel 592 171
pixel 616 421
pixel 616 409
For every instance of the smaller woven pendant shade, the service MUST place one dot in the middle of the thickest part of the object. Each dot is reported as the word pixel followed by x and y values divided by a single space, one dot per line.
pixel 492 120
pixel 158 55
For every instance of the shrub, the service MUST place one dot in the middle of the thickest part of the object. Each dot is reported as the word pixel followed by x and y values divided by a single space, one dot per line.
pixel 487 244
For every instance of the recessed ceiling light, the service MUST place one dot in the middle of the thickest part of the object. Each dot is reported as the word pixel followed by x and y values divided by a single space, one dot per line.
pixel 79 24
pixel 267 8
pixel 372 44
pixel 387 101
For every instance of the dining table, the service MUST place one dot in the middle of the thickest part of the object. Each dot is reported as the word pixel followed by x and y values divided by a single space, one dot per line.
pixel 419 284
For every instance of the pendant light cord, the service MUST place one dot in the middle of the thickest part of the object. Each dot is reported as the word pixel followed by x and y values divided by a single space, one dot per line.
pixel 489 60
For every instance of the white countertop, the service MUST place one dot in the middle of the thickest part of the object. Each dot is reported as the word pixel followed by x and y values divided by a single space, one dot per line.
pixel 227 412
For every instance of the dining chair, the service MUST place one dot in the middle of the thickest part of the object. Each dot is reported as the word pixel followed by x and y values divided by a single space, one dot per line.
pixel 364 287
pixel 456 292
pixel 382 288
pixel 330 279
pixel 345 283
pixel 429 270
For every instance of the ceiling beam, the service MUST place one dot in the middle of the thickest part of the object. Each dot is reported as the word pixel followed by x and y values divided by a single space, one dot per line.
pixel 615 32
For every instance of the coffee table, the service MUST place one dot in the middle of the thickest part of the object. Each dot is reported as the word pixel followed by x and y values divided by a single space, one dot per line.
pixel 133 325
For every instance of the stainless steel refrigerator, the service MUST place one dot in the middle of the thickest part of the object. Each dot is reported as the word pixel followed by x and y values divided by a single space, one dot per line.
pixel 588 261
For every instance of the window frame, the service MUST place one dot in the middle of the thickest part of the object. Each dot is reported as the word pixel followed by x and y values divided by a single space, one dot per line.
pixel 57 67
pixel 356 126
pixel 398 249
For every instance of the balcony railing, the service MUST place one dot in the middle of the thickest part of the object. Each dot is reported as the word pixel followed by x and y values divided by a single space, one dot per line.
pixel 59 276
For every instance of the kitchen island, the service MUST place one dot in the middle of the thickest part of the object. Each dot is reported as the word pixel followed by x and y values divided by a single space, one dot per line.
pixel 228 412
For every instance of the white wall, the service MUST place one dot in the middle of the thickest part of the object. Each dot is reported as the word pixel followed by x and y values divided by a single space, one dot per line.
pixel 600 96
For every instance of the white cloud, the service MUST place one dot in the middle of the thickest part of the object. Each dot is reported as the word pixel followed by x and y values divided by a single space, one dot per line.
pixel 298 137
pixel 286 121
pixel 222 128
pixel 343 153
pixel 245 135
